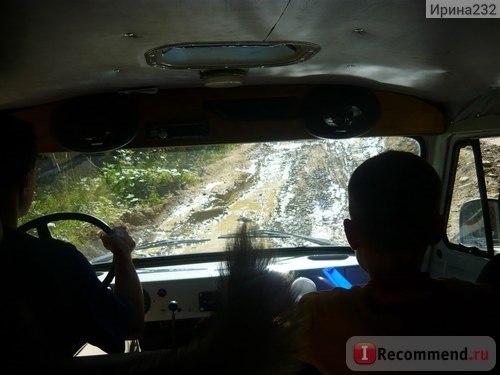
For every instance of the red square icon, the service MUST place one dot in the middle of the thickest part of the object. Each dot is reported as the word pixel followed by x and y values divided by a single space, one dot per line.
pixel 365 353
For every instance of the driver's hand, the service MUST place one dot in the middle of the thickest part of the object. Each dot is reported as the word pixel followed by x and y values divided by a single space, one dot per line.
pixel 118 241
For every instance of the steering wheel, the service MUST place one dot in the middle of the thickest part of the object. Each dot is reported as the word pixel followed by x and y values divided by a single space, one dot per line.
pixel 41 224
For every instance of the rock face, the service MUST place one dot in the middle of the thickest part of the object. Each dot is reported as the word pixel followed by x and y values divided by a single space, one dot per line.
pixel 491 165
pixel 466 186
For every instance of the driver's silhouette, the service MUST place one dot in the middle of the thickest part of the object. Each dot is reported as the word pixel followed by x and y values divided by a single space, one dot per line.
pixel 53 300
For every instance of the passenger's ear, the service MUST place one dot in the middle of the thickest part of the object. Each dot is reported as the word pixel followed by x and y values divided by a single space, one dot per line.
pixel 21 183
pixel 28 181
pixel 351 233
pixel 25 193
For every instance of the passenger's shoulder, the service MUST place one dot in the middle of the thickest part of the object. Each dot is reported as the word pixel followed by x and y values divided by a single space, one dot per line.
pixel 470 289
pixel 453 282
pixel 330 296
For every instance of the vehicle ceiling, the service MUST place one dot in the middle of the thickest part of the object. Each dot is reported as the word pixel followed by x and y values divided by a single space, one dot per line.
pixel 57 49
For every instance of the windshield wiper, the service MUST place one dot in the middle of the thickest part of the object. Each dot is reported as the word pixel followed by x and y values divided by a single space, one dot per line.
pixel 168 242
pixel 264 233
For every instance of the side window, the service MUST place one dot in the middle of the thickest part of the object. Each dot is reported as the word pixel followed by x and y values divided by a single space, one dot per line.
pixel 476 183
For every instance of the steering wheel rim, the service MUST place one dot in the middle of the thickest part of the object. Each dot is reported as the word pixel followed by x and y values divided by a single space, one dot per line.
pixel 42 228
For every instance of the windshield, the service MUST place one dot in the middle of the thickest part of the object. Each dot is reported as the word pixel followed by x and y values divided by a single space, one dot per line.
pixel 191 199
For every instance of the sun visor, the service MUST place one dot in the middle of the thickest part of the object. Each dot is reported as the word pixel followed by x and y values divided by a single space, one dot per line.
pixel 95 123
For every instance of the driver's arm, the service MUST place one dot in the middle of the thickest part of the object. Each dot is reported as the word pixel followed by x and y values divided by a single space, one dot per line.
pixel 127 283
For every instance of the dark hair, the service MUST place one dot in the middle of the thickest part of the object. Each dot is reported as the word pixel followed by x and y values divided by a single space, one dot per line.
pixel 394 200
pixel 253 329
pixel 18 152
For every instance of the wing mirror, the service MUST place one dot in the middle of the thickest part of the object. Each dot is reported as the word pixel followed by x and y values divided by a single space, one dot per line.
pixel 471 223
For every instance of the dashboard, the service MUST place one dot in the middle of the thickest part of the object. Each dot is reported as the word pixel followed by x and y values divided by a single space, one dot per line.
pixel 189 291
pixel 179 298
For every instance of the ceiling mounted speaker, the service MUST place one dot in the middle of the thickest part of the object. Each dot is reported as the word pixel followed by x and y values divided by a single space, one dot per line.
pixel 339 111
pixel 95 123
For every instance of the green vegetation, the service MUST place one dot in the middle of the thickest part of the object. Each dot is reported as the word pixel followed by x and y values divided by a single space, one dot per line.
pixel 143 178
pixel 108 185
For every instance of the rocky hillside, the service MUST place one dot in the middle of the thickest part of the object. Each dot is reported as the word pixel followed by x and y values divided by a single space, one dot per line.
pixel 466 188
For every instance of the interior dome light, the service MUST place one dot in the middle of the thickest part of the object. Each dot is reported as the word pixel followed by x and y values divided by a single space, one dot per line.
pixel 230 55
